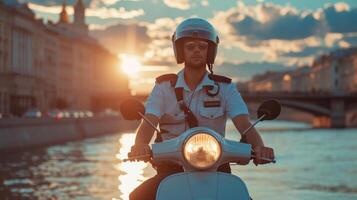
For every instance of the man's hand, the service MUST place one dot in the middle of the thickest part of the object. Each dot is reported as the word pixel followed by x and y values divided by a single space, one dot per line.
pixel 142 151
pixel 263 152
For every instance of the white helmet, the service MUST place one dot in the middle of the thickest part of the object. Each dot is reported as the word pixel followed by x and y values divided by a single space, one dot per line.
pixel 195 28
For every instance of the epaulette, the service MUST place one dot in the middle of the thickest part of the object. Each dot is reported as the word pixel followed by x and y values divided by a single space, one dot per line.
pixel 218 78
pixel 167 77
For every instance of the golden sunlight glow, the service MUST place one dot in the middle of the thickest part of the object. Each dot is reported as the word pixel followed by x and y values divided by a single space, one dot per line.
pixel 132 172
pixel 287 77
pixel 130 64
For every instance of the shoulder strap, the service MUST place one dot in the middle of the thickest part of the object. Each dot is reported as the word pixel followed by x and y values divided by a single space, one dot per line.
pixel 167 77
pixel 218 78
pixel 179 94
pixel 190 118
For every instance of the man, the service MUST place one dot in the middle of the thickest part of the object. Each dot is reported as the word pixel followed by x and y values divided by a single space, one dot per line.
pixel 193 97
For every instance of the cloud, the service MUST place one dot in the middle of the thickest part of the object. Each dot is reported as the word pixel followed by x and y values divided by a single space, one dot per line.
pixel 100 12
pixel 54 9
pixel 110 2
pixel 350 39
pixel 245 71
pixel 119 13
pixel 287 27
pixel 179 4
pixel 285 31
pixel 268 21
pixel 44 2
pixel 307 52
pixel 99 3
pixel 163 28
pixel 160 31
pixel 97 27
pixel 204 3
pixel 333 41
pixel 123 38
pixel 340 19
pixel 186 4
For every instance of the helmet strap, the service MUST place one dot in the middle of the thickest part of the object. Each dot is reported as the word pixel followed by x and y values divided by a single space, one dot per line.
pixel 210 67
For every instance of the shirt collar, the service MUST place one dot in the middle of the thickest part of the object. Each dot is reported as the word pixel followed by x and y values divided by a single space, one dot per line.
pixel 182 83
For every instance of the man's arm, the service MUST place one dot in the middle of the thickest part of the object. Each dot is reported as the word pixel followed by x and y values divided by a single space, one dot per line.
pixel 143 138
pixel 145 130
pixel 242 122
pixel 153 109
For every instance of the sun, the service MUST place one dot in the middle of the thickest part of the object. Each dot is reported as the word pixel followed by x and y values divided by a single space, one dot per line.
pixel 130 64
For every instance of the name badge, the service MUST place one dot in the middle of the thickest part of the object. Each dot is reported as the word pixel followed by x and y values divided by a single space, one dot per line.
pixel 211 102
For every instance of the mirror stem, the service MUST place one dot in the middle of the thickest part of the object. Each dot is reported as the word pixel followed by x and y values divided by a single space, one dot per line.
pixel 149 122
pixel 251 126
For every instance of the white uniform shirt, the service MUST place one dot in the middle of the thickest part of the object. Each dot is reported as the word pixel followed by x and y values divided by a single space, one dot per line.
pixel 163 104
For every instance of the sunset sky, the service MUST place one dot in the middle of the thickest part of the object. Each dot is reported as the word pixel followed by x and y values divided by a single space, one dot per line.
pixel 256 35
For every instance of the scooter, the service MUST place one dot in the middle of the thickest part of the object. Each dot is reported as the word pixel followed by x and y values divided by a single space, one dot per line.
pixel 200 151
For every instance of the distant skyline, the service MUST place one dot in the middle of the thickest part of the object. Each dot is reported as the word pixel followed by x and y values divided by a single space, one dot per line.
pixel 253 33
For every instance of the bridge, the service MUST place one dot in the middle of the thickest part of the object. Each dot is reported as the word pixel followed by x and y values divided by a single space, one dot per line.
pixel 329 110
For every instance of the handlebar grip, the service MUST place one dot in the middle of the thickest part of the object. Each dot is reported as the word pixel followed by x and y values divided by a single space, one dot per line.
pixel 266 159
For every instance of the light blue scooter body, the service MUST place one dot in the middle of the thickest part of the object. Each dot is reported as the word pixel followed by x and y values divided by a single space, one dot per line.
pixel 202 186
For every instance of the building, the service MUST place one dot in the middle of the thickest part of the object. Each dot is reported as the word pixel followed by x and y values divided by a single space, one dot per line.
pixel 334 73
pixel 4 58
pixel 54 65
pixel 271 82
pixel 301 80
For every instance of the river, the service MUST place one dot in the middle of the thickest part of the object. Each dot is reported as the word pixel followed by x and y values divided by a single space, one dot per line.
pixel 311 164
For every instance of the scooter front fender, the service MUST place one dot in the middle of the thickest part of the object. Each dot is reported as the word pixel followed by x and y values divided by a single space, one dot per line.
pixel 202 186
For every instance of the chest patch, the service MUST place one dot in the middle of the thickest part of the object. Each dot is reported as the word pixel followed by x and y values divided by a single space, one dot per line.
pixel 212 102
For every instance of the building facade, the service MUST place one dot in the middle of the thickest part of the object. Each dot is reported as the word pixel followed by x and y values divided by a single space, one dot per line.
pixel 54 65
pixel 334 73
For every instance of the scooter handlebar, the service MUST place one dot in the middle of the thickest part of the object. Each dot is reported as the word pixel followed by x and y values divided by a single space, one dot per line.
pixel 148 156
pixel 266 159
pixel 262 158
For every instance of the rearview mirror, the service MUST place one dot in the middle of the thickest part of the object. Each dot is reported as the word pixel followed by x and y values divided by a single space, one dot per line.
pixel 269 110
pixel 130 109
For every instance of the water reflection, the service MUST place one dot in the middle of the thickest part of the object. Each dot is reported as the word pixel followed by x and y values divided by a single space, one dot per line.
pixel 312 164
pixel 133 171
pixel 89 169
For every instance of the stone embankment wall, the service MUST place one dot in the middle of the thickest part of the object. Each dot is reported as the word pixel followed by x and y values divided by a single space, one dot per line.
pixel 24 133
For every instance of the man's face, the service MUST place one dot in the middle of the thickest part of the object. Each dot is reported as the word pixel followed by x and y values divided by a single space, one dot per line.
pixel 195 53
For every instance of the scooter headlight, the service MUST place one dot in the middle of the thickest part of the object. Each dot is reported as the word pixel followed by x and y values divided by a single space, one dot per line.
pixel 202 150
